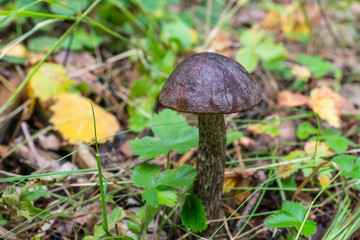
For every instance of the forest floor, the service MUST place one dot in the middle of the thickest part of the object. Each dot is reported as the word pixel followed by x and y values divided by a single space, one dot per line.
pixel 292 168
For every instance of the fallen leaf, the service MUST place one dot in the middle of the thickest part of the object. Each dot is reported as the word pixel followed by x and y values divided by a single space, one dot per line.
pixel 289 20
pixel 17 51
pixel 301 72
pixel 289 99
pixel 322 149
pixel 229 183
pixel 221 42
pixel 324 177
pixel 73 119
pixel 328 104
pixel 49 81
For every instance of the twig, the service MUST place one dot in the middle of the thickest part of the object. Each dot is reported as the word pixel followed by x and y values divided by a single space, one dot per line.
pixel 261 177
pixel 39 161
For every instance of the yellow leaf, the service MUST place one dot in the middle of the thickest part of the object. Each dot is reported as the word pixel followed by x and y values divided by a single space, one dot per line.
pixel 17 51
pixel 194 35
pixel 323 180
pixel 272 20
pixel 291 22
pixel 49 81
pixel 289 99
pixel 301 72
pixel 229 183
pixel 328 105
pixel 73 119
pixel 324 177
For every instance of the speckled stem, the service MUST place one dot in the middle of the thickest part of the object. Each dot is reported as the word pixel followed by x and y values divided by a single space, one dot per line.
pixel 210 166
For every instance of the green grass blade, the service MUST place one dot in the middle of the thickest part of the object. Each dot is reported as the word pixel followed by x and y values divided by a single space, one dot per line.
pixel 10 15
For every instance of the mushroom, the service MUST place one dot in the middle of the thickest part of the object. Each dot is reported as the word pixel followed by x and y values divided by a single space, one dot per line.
pixel 210 85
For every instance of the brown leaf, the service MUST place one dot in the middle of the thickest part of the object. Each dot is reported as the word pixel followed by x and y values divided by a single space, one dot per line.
pixel 328 104
pixel 289 99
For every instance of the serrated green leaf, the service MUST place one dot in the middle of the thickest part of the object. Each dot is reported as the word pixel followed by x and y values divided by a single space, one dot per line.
pixel 166 195
pixel 344 161
pixel 281 219
pixel 304 130
pixel 160 195
pixel 174 133
pixel 292 214
pixel 150 196
pixel 173 129
pixel 295 208
pixel 144 175
pixel 308 229
pixel 193 214
pixel 246 56
pixel 148 147
pixel 338 143
pixel 178 177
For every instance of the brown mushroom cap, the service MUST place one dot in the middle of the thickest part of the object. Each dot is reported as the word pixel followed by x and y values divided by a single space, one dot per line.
pixel 210 83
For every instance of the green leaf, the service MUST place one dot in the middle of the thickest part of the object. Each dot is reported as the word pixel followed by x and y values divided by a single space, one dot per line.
pixel 32 192
pixel 166 195
pixel 115 216
pixel 295 208
pixel 308 229
pixel 319 67
pixel 42 43
pixel 150 196
pixel 140 87
pixel 232 136
pixel 173 129
pixel 344 161
pixel 338 143
pixel 247 57
pixel 304 130
pixel 178 30
pixel 292 214
pixel 178 177
pixel 269 51
pixel 148 147
pixel 160 195
pixel 174 133
pixel 144 175
pixel 26 207
pixel 251 38
pixel 281 219
pixel 193 214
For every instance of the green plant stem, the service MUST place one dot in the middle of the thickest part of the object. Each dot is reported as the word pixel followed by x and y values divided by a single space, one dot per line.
pixel 312 203
pixel 101 183
pixel 53 48
pixel 317 140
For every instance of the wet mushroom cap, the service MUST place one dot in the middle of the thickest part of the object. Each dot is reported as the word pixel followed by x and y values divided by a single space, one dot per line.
pixel 209 83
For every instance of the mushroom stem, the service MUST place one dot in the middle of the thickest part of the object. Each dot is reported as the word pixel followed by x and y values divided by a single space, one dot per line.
pixel 210 165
